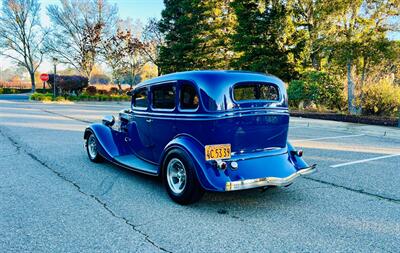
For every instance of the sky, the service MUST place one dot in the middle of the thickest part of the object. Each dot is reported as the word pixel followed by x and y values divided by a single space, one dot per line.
pixel 134 9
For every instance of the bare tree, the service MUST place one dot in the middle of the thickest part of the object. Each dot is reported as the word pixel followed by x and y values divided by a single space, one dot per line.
pixel 113 52
pixel 78 26
pixel 153 39
pixel 123 51
pixel 21 34
pixel 134 60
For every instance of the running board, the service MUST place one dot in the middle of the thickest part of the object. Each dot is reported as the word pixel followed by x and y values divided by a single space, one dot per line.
pixel 133 162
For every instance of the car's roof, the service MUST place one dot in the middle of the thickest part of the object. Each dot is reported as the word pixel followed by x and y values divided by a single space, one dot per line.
pixel 214 77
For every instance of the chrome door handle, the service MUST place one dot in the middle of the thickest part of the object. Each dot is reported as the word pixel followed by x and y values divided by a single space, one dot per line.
pixel 149 120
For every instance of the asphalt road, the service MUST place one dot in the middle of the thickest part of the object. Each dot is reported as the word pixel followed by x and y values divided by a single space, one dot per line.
pixel 52 199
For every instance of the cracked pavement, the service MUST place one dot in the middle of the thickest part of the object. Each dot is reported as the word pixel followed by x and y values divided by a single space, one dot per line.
pixel 52 199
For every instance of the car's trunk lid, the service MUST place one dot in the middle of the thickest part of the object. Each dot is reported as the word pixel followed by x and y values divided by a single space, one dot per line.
pixel 251 132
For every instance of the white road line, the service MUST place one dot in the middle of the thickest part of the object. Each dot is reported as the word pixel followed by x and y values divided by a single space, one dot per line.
pixel 331 137
pixel 363 161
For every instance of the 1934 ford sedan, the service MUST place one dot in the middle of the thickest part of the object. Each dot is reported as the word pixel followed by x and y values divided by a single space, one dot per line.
pixel 203 130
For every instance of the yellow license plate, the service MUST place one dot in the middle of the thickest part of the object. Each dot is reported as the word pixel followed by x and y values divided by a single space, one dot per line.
pixel 220 151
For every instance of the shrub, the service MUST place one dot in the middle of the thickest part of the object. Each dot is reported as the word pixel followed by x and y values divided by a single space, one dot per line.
pixel 114 90
pixel 83 97
pixel 71 98
pixel 46 99
pixel 6 90
pixel 316 87
pixel 296 92
pixel 69 84
pixel 382 98
pixel 41 97
pixel 104 98
pixel 116 98
pixel 91 90
pixel 102 92
pixel 35 96
pixel 60 99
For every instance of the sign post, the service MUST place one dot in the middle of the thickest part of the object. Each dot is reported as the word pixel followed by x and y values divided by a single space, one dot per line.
pixel 55 62
pixel 44 77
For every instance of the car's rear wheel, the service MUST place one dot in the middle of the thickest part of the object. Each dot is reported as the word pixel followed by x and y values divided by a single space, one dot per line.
pixel 180 179
pixel 92 149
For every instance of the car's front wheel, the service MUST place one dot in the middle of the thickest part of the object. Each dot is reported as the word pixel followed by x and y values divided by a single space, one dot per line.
pixel 92 149
pixel 180 179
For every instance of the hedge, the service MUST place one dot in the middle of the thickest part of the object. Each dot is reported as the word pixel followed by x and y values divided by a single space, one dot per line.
pixel 83 97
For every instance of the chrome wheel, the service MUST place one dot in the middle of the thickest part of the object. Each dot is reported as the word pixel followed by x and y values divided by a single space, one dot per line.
pixel 176 176
pixel 92 146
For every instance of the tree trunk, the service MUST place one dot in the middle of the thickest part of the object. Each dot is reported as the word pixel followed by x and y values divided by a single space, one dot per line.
pixel 315 61
pixel 363 75
pixel 158 70
pixel 350 88
pixel 119 87
pixel 32 75
pixel 132 79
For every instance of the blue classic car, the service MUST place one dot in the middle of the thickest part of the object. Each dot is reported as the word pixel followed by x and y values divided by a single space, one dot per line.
pixel 203 130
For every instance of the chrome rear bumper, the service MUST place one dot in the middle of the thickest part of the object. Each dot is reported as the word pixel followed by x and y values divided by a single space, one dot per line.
pixel 268 181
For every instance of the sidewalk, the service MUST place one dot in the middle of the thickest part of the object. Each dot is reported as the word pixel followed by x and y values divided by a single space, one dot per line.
pixel 380 131
pixel 20 96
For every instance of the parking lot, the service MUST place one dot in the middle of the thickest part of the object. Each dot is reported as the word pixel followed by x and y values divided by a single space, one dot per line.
pixel 53 199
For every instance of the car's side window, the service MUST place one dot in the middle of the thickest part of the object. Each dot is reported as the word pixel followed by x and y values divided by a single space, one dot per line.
pixel 163 96
pixel 188 97
pixel 140 98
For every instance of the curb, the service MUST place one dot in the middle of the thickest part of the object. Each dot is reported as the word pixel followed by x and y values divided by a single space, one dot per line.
pixel 355 128
pixel 370 120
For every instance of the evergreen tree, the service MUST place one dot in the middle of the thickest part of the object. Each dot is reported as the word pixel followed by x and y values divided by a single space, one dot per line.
pixel 180 23
pixel 215 49
pixel 197 35
pixel 263 37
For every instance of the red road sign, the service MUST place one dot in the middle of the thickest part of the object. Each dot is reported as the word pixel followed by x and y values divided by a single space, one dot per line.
pixel 44 77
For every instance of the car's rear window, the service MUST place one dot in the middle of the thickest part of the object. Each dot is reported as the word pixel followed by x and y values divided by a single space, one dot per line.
pixel 255 91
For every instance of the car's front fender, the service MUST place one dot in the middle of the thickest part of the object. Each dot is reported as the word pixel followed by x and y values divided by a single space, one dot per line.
pixel 108 140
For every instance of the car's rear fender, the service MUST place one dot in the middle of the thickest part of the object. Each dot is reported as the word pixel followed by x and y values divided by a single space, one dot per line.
pixel 298 161
pixel 279 164
pixel 204 169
